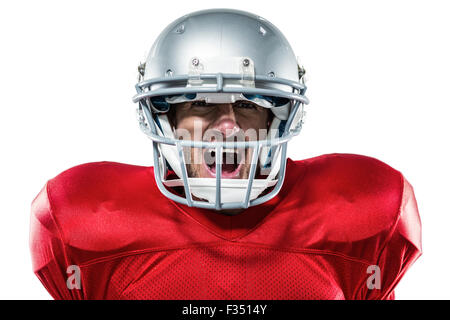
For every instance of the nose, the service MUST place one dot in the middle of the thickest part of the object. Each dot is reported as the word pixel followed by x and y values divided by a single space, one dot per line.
pixel 225 120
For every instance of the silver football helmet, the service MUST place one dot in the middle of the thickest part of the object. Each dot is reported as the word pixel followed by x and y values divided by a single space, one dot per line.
pixel 221 56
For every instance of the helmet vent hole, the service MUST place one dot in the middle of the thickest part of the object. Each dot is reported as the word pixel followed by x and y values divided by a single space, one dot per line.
pixel 195 62
pixel 271 74
pixel 262 31
pixel 180 29
pixel 169 73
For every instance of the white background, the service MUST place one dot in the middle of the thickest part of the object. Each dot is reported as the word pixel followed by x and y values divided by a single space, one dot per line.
pixel 378 84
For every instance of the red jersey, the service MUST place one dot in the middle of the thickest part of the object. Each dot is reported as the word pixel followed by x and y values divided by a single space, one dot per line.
pixel 335 218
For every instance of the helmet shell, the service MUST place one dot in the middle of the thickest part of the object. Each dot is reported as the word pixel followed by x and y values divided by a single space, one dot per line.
pixel 218 34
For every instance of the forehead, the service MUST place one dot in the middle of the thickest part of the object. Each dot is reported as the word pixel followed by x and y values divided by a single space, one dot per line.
pixel 242 111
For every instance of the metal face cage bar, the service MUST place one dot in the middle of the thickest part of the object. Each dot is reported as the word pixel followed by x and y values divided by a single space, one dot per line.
pixel 218 147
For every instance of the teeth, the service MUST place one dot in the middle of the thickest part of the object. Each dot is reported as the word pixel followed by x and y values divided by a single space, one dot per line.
pixel 229 150
pixel 231 156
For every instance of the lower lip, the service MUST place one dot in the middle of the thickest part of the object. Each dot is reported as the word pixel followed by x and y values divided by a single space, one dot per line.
pixel 228 175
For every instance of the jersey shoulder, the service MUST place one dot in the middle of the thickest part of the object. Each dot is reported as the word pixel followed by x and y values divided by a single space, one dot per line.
pixel 351 172
pixel 97 181
pixel 348 203
pixel 89 187
pixel 359 190
pixel 98 207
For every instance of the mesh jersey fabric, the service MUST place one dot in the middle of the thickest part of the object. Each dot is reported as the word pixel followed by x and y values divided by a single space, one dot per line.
pixel 335 216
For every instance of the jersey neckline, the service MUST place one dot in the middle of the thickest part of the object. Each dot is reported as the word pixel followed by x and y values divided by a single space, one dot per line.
pixel 233 227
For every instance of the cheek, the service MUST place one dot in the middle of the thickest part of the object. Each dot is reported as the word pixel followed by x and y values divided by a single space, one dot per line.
pixel 192 124
pixel 255 120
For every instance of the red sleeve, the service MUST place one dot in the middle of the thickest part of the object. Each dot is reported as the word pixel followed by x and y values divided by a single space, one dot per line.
pixel 401 250
pixel 48 250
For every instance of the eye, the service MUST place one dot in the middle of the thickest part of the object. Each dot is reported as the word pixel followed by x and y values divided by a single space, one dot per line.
pixel 200 103
pixel 244 105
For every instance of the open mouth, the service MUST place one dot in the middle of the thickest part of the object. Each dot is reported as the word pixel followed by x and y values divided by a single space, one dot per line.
pixel 231 162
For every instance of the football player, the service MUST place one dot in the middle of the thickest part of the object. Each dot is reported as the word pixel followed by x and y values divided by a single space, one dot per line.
pixel 223 214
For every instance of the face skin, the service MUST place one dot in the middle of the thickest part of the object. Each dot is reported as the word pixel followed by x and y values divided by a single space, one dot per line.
pixel 227 122
pixel 219 122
